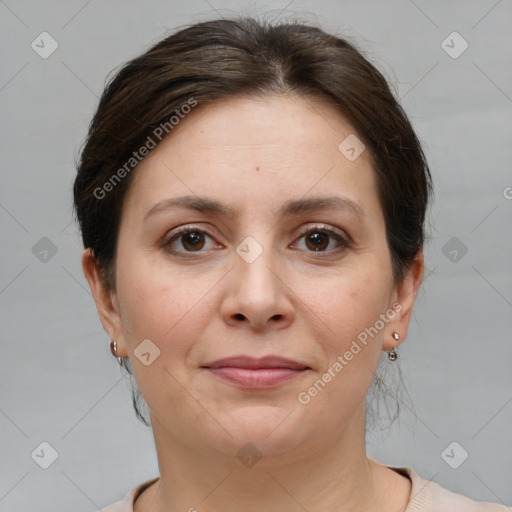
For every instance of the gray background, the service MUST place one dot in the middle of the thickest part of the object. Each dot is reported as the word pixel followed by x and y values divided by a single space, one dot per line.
pixel 59 383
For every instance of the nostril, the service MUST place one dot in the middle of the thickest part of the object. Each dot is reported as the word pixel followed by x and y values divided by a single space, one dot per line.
pixel 239 316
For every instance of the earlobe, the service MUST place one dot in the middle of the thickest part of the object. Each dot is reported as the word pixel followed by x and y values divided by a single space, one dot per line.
pixel 104 299
pixel 404 296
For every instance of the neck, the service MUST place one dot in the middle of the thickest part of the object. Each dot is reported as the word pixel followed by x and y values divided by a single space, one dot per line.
pixel 335 477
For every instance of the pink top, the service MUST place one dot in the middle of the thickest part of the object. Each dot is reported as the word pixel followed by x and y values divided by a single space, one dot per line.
pixel 426 496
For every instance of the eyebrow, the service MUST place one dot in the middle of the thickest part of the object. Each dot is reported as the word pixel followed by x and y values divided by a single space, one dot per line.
pixel 291 207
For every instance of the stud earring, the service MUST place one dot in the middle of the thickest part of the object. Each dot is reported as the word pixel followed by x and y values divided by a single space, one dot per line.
pixel 393 354
pixel 113 349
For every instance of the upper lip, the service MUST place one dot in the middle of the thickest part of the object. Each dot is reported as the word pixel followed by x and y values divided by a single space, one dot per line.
pixel 256 363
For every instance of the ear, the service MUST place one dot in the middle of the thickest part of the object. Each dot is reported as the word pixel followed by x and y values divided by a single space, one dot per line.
pixel 402 302
pixel 106 302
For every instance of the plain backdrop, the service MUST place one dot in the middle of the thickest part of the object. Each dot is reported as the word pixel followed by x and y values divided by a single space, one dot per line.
pixel 59 383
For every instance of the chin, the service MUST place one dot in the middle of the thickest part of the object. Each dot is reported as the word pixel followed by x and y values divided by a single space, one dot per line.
pixel 273 430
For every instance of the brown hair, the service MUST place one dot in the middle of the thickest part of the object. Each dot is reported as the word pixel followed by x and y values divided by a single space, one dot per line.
pixel 221 58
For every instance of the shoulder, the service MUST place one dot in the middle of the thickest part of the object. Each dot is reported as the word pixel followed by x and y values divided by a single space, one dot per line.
pixel 126 504
pixel 428 496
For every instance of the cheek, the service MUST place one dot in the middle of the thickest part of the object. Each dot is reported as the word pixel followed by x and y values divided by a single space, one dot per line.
pixel 349 305
pixel 348 308
pixel 167 308
pixel 173 312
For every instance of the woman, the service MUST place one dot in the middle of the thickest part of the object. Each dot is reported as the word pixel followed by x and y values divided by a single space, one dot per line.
pixel 252 200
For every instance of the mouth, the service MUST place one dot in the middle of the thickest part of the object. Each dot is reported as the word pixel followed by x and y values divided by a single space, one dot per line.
pixel 251 373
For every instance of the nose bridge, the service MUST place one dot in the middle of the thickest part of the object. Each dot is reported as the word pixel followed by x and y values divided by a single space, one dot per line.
pixel 257 295
pixel 255 280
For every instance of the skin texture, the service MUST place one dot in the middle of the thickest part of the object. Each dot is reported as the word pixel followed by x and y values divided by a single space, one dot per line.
pixel 253 155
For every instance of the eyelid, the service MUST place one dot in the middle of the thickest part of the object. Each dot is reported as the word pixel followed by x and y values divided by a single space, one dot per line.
pixel 181 230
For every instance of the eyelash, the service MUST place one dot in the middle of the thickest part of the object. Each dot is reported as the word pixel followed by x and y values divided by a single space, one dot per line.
pixel 321 228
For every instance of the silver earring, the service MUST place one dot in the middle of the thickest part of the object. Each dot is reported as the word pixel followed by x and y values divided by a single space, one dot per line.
pixel 113 349
pixel 393 354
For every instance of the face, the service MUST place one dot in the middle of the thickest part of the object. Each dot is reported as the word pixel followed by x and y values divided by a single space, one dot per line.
pixel 248 233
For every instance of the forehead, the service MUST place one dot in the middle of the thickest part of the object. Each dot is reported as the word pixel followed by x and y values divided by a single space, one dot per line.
pixel 254 122
pixel 266 150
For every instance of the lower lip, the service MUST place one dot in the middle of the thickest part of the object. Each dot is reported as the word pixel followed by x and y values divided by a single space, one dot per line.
pixel 256 378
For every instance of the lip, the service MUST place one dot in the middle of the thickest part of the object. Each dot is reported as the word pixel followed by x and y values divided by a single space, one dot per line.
pixel 256 373
pixel 256 363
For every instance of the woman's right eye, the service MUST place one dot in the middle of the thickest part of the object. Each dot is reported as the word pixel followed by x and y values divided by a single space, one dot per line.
pixel 188 240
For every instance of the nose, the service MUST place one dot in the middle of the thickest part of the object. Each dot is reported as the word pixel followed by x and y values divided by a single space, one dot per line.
pixel 257 295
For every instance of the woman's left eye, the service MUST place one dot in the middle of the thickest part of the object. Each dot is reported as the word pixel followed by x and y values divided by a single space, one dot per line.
pixel 319 240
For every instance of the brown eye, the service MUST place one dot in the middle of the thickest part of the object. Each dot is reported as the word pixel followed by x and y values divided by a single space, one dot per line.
pixel 189 240
pixel 322 240
pixel 193 240
pixel 317 241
